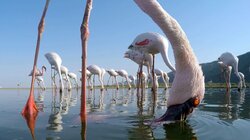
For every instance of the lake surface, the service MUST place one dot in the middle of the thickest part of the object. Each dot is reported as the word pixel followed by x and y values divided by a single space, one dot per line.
pixel 121 114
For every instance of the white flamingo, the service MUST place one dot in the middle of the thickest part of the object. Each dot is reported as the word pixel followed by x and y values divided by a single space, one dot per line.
pixel 152 43
pixel 74 77
pixel 114 74
pixel 188 86
pixel 95 70
pixel 65 72
pixel 229 59
pixel 140 58
pixel 164 77
pixel 55 62
pixel 133 79
pixel 88 74
pixel 124 74
pixel 40 82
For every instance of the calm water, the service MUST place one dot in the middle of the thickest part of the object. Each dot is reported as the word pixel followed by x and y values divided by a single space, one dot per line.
pixel 121 114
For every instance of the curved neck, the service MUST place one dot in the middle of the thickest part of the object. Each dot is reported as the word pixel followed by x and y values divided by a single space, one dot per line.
pixel 189 80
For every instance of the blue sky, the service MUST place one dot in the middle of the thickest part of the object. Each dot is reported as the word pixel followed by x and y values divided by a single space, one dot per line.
pixel 212 26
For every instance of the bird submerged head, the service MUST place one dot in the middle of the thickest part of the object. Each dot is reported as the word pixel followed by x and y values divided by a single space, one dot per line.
pixel 180 112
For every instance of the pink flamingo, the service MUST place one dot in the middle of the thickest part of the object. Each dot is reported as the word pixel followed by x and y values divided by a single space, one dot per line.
pixel 30 110
pixel 38 76
pixel 152 43
pixel 38 72
pixel 227 75
pixel 228 59
pixel 188 86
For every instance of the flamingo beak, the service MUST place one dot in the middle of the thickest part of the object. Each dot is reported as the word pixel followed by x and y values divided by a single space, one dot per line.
pixel 130 47
pixel 126 55
pixel 181 111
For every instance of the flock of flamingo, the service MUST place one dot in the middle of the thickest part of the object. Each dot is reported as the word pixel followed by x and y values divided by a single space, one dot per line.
pixel 188 87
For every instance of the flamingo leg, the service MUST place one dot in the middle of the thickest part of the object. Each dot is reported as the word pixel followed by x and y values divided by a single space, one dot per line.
pixel 30 110
pixel 84 38
pixel 108 82
pixel 153 74
pixel 117 85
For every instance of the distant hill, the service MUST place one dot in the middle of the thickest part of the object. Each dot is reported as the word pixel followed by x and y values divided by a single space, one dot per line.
pixel 213 74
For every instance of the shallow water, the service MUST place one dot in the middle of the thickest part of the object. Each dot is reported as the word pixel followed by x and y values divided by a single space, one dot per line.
pixel 122 114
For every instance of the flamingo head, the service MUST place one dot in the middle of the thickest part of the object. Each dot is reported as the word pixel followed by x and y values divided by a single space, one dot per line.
pixel 180 111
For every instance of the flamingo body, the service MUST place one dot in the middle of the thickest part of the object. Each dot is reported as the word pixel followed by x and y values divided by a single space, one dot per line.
pixel 188 86
pixel 229 59
pixel 95 70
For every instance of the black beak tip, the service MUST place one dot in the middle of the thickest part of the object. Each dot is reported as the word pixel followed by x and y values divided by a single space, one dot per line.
pixel 130 47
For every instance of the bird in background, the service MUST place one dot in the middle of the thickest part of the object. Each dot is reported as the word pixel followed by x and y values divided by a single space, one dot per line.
pixel 152 43
pixel 228 59
pixel 73 76
pixel 65 72
pixel 113 74
pixel 164 77
pixel 96 70
pixel 55 62
pixel 124 74
pixel 38 72
pixel 40 82
pixel 39 76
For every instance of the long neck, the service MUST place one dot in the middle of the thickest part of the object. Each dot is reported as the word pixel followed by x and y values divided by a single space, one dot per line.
pixel 164 54
pixel 43 70
pixel 189 80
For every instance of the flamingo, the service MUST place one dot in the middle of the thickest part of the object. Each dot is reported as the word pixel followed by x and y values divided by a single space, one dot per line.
pixel 74 77
pixel 30 110
pixel 40 81
pixel 38 72
pixel 188 86
pixel 164 76
pixel 113 73
pixel 133 79
pixel 152 43
pixel 38 76
pixel 88 74
pixel 140 58
pixel 229 59
pixel 95 70
pixel 55 62
pixel 227 73
pixel 65 71
pixel 124 74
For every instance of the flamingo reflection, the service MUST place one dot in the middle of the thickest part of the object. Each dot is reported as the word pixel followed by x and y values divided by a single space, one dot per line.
pixel 55 118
